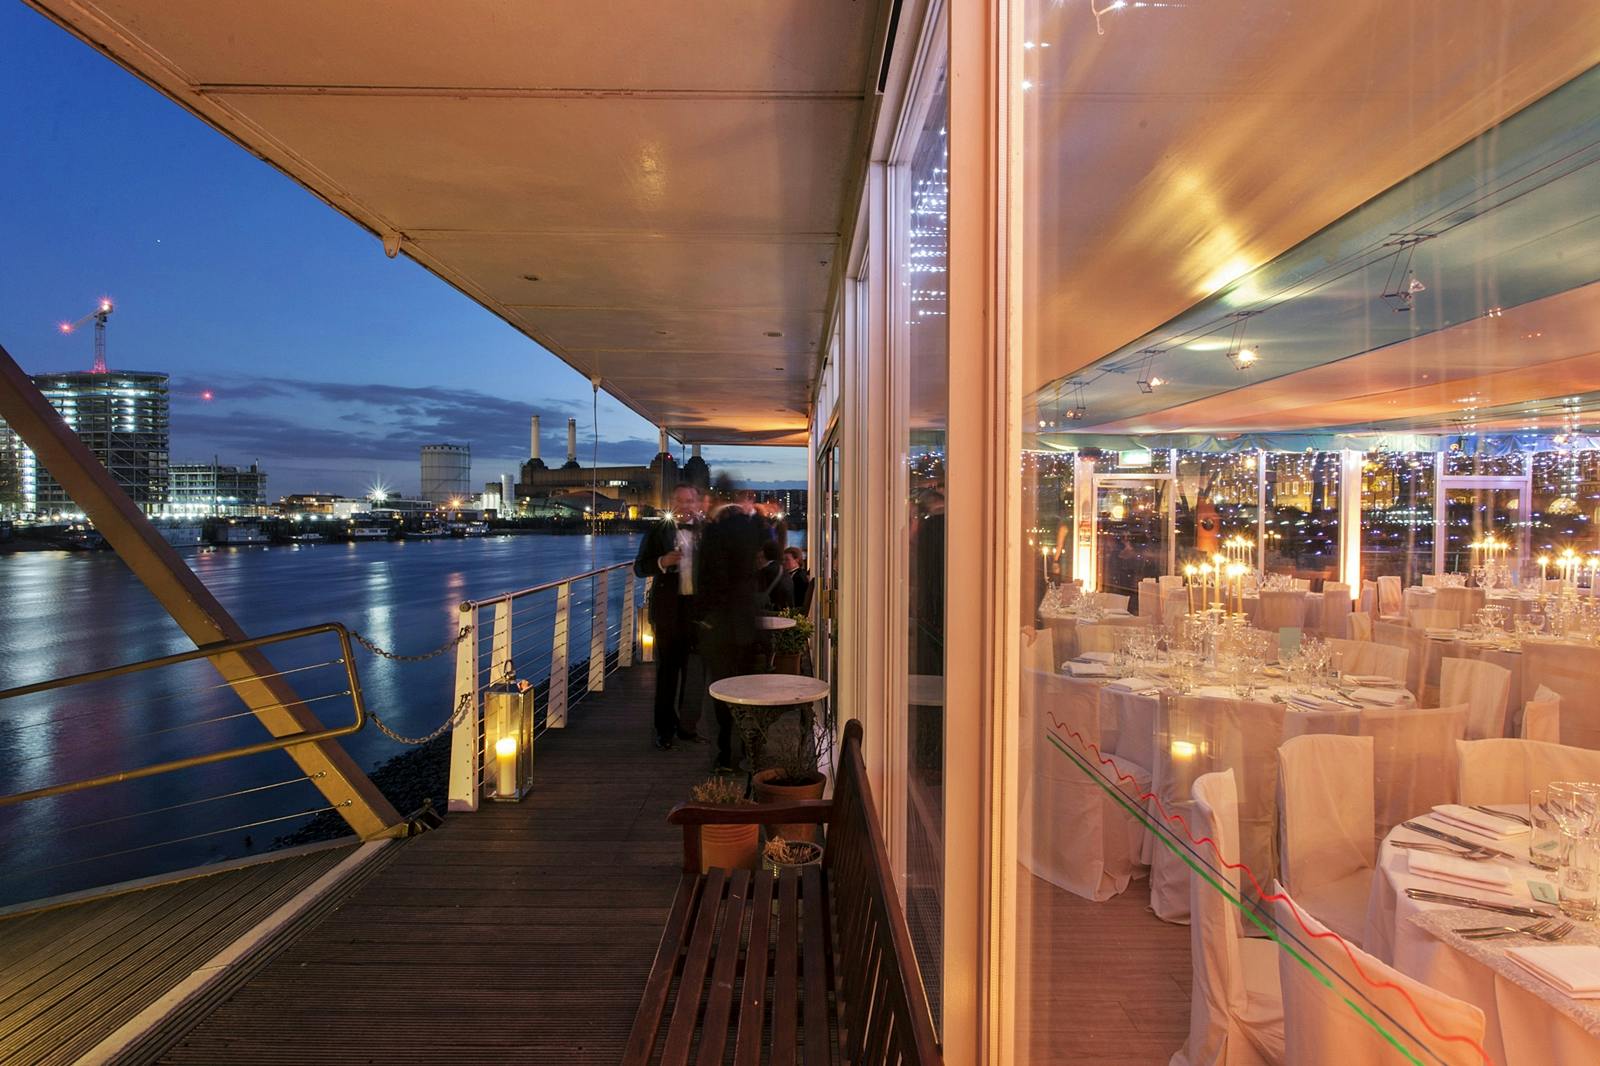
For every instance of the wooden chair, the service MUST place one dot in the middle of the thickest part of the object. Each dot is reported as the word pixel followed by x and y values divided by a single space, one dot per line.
pixel 832 938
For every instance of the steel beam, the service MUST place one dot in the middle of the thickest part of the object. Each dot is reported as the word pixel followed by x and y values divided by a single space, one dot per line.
pixel 197 612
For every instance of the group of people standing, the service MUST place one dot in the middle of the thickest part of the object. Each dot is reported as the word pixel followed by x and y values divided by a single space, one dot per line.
pixel 718 563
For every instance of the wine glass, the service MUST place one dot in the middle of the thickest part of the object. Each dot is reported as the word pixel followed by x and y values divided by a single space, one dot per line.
pixel 1574 805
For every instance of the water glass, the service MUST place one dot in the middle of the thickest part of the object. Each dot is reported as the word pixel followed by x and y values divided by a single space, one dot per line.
pixel 1544 840
pixel 1580 875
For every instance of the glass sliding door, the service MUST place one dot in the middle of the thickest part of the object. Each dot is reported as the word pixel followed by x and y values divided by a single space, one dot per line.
pixel 1132 533
pixel 923 190
pixel 1473 509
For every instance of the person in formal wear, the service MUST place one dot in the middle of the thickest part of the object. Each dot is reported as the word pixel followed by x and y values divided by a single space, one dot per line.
pixel 729 601
pixel 667 554
pixel 799 579
pixel 777 589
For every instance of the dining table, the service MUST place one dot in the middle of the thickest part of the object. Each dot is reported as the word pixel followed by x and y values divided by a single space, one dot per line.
pixel 1063 626
pixel 1529 1022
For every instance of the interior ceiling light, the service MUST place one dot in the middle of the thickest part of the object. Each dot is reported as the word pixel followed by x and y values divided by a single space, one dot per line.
pixel 1241 356
pixel 1149 381
pixel 1402 285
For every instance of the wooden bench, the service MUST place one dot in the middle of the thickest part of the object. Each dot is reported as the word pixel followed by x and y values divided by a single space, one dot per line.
pixel 814 965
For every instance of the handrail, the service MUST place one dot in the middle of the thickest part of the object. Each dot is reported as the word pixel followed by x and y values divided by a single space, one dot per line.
pixel 546 587
pixel 221 647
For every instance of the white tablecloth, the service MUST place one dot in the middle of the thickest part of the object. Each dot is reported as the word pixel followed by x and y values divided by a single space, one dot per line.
pixel 1461 648
pixel 1524 1027
pixel 1064 629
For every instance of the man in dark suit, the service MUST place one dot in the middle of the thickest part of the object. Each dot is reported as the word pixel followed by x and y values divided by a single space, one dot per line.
pixel 667 554
pixel 729 604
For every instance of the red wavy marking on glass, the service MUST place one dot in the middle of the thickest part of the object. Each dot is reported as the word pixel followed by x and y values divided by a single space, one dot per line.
pixel 1271 897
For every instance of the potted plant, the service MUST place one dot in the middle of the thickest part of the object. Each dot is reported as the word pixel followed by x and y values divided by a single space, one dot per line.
pixel 791 774
pixel 780 853
pixel 731 847
pixel 788 645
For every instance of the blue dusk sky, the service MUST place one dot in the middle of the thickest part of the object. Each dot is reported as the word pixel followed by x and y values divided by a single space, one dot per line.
pixel 325 360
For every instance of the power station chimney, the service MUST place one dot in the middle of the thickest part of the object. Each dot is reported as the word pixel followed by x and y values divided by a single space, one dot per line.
pixel 697 451
pixel 572 443
pixel 663 449
pixel 533 439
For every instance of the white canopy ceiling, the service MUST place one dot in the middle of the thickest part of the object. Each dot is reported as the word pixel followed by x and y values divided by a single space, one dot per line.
pixel 652 191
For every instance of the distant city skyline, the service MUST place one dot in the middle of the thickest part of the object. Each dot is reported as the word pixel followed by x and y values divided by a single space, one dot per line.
pixel 322 358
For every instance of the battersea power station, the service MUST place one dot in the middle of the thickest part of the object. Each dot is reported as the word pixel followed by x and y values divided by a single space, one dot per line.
pixel 615 490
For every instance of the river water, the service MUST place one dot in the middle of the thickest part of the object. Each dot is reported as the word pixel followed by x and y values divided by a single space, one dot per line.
pixel 67 613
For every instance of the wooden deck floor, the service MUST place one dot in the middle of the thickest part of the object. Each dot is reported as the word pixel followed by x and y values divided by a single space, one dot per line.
pixel 524 933
pixel 519 934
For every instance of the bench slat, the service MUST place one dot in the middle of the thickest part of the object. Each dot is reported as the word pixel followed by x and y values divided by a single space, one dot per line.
pixel 753 994
pixel 814 959
pixel 680 1034
pixel 784 982
pixel 646 1023
pixel 719 999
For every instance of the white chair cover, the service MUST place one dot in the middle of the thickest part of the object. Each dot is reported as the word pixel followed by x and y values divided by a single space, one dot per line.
pixel 1196 735
pixel 1038 650
pixel 1281 609
pixel 1464 601
pixel 1366 657
pixel 1300 584
pixel 1109 601
pixel 1149 599
pixel 1483 687
pixel 1391 598
pixel 1502 771
pixel 1359 626
pixel 1174 605
pixel 1073 834
pixel 1572 672
pixel 1171 581
pixel 1369 599
pixel 1541 717
pixel 1326 812
pixel 1414 641
pixel 1336 608
pixel 1321 1028
pixel 1430 581
pixel 1414 760
pixel 1235 1008
pixel 1433 618
pixel 1105 637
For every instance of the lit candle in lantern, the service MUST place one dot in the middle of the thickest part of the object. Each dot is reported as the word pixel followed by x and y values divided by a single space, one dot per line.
pixel 1205 585
pixel 505 755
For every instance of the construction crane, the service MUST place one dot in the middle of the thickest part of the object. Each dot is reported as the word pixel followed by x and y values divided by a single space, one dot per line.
pixel 99 314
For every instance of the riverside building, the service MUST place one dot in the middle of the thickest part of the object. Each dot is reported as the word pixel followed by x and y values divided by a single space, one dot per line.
pixel 201 490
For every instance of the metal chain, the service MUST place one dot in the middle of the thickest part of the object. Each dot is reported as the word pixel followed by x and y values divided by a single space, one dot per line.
pixel 448 724
pixel 424 657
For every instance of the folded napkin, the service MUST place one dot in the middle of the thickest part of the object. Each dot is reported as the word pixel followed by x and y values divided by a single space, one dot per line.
pixel 1485 825
pixel 1135 684
pixel 1485 876
pixel 1077 669
pixel 1387 697
pixel 1372 680
pixel 1097 656
pixel 1570 968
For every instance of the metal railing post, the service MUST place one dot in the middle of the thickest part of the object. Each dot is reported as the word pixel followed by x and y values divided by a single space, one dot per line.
pixel 501 666
pixel 597 636
pixel 647 632
pixel 625 635
pixel 556 713
pixel 465 752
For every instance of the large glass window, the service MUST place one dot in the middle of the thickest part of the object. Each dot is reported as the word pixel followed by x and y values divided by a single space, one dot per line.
pixel 926 290
pixel 1300 535
pixel 1216 504
pixel 1397 515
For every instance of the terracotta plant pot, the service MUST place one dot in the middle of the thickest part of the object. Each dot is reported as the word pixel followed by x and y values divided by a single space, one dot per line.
pixel 767 792
pixel 786 662
pixel 731 847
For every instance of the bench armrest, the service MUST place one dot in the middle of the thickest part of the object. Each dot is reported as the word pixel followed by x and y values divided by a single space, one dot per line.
pixel 694 815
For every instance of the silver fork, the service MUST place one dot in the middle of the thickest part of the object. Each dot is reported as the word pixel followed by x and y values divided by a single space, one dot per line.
pixel 1507 815
pixel 1550 930
pixel 1474 855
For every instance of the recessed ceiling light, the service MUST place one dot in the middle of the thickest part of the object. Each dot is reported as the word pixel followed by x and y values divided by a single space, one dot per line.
pixel 530 277
pixel 774 333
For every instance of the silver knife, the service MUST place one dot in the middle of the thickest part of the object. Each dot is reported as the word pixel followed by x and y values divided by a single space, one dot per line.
pixel 1460 842
pixel 1426 896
